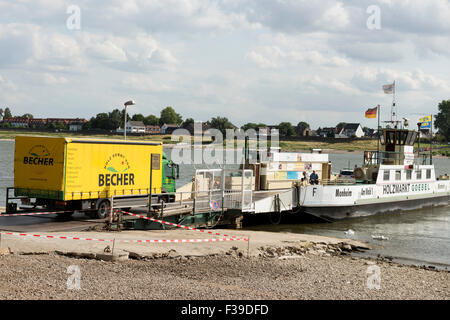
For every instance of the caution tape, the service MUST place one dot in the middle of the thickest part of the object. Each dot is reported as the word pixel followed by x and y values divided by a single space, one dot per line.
pixel 31 213
pixel 182 226
pixel 121 240
pixel 52 237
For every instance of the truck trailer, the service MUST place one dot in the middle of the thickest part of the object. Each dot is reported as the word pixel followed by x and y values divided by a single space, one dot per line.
pixel 72 174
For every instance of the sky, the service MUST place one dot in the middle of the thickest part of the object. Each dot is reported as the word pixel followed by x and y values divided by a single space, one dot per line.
pixel 264 61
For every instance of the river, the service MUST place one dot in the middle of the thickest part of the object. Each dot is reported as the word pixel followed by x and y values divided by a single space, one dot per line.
pixel 418 237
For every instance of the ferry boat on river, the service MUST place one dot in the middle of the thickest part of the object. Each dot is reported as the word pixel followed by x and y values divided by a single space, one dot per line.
pixel 393 178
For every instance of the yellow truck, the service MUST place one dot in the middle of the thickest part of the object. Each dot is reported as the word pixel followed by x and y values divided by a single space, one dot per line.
pixel 82 174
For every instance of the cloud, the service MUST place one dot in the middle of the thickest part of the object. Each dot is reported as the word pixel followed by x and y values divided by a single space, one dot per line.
pixel 371 79
pixel 145 83
pixel 275 57
pixel 53 80
pixel 139 53
pixel 33 46
pixel 6 84
pixel 283 60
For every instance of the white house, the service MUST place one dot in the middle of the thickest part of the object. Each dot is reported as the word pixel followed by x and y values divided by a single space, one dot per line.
pixel 351 130
pixel 133 127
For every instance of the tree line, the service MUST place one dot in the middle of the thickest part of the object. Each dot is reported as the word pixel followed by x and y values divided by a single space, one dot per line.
pixel 114 119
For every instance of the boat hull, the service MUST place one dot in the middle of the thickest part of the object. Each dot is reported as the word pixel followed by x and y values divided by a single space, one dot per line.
pixel 332 213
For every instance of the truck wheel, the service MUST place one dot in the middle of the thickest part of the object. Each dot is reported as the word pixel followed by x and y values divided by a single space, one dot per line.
pixel 102 210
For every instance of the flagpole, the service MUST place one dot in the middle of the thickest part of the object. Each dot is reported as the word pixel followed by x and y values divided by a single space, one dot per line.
pixel 393 111
pixel 431 141
pixel 378 133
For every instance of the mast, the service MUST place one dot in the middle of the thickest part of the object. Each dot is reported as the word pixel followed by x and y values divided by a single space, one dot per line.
pixel 393 109
pixel 378 134
pixel 431 141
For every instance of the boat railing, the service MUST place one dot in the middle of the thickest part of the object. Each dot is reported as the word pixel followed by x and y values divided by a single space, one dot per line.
pixel 393 158
pixel 335 182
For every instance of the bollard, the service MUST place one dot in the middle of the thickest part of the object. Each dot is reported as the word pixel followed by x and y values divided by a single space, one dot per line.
pixel 248 248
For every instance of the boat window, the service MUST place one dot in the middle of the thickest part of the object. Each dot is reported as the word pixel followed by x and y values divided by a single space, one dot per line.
pixel 408 174
pixel 400 138
pixel 419 174
pixel 390 137
pixel 398 175
pixel 428 173
pixel 386 175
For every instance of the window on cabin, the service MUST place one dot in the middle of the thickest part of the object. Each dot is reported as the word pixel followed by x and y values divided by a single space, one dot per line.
pixel 386 175
pixel 408 174
pixel 418 174
pixel 398 175
pixel 428 173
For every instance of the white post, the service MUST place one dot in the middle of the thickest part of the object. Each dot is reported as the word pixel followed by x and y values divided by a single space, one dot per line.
pixel 125 124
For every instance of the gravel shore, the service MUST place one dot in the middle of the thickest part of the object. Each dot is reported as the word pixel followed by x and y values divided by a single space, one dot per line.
pixel 229 276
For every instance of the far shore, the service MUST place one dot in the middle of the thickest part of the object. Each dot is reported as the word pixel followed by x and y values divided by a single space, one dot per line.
pixel 344 151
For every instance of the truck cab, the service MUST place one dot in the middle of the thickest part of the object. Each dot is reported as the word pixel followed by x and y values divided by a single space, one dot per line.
pixel 170 173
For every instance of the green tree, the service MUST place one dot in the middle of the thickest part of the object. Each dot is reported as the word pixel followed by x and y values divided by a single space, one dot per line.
pixel 28 115
pixel 286 129
pixel 221 124
pixel 169 116
pixel 116 119
pixel 303 124
pixel 57 125
pixel 7 113
pixel 88 125
pixel 188 124
pixel 251 125
pixel 138 117
pixel 340 126
pixel 101 121
pixel 151 120
pixel 442 119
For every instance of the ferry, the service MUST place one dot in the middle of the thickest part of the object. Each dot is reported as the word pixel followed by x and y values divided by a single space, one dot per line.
pixel 392 178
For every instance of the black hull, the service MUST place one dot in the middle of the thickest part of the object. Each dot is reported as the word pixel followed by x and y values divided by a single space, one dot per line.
pixel 332 213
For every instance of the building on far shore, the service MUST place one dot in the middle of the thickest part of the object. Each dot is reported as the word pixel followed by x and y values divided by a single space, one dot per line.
pixel 133 127
pixel 351 130
pixel 73 124
pixel 17 122
pixel 152 129
pixel 169 128
pixel 327 132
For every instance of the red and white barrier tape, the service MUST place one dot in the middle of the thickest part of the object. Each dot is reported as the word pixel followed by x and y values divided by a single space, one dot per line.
pixel 51 237
pixel 182 226
pixel 121 240
pixel 30 213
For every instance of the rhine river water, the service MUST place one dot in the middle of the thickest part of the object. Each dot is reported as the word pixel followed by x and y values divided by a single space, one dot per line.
pixel 418 237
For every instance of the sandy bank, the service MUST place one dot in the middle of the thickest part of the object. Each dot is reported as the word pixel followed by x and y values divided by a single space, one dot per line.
pixel 258 239
pixel 279 266
pixel 217 277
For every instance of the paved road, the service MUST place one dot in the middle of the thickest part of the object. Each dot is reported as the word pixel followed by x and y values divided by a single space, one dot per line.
pixel 51 222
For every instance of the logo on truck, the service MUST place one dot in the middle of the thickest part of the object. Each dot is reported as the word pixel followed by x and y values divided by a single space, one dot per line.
pixel 38 155
pixel 119 166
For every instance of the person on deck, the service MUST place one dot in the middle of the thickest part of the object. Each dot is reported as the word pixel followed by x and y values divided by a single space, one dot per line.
pixel 305 179
pixel 314 178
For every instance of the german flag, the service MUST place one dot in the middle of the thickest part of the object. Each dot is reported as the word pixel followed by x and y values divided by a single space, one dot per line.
pixel 371 113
